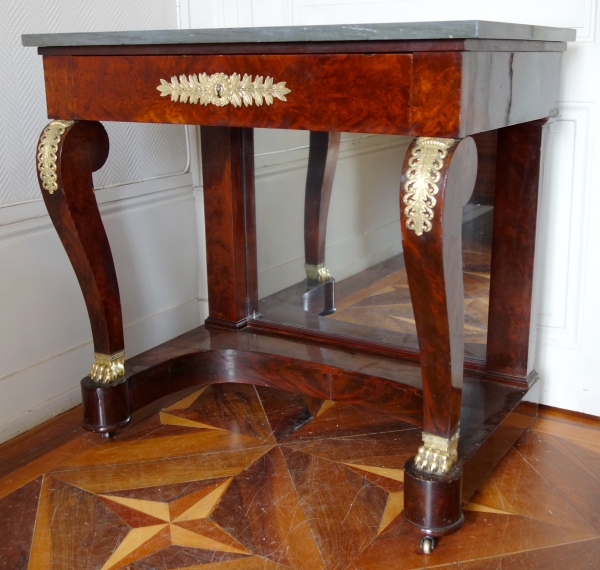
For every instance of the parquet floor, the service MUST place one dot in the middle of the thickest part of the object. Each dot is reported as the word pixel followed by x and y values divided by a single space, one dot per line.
pixel 242 477
pixel 384 302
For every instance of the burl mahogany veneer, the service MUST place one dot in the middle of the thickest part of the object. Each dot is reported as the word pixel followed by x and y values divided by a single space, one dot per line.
pixel 440 82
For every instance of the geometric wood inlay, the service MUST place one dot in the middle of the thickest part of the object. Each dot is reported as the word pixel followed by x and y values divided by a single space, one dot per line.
pixel 186 402
pixel 171 420
pixel 393 508
pixel 324 492
pixel 141 541
pixel 152 508
pixel 326 405
pixel 134 541
pixel 395 474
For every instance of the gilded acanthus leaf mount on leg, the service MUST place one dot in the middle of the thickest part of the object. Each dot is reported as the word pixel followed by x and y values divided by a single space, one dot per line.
pixel 422 176
pixel 48 153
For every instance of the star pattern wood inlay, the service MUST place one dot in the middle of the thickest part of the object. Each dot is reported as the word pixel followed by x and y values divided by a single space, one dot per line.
pixel 184 522
pixel 262 479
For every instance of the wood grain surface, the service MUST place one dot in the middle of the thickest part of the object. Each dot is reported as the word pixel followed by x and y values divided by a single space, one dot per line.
pixel 243 477
pixel 435 279
pixel 512 301
pixel 228 177
pixel 322 161
pixel 73 209
pixel 328 92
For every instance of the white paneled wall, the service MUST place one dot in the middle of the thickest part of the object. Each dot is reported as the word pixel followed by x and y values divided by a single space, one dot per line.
pixel 569 329
pixel 363 226
pixel 569 320
pixel 146 199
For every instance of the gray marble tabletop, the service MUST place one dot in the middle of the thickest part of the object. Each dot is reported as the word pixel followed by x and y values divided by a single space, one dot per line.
pixel 465 29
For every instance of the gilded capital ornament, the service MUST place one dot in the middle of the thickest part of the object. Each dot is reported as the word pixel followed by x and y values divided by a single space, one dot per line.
pixel 108 368
pixel 220 89
pixel 47 153
pixel 318 273
pixel 437 455
pixel 422 176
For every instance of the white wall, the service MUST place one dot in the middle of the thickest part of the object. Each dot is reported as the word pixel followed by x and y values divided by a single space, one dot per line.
pixel 569 319
pixel 147 202
pixel 569 329
pixel 363 226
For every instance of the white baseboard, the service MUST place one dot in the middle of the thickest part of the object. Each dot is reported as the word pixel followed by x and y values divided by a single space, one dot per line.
pixel 51 387
pixel 379 244
pixel 363 223
pixel 42 391
pixel 17 213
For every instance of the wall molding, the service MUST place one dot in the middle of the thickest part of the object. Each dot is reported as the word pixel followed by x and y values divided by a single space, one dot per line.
pixel 347 252
pixel 23 220
pixel 587 33
pixel 306 12
pixel 201 235
pixel 19 220
pixel 297 158
pixel 563 224
pixel 384 241
pixel 36 415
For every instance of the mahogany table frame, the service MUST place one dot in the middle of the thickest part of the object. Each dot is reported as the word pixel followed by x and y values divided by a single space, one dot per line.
pixel 442 89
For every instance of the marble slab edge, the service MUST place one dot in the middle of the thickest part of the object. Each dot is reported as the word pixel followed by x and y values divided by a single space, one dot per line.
pixel 468 29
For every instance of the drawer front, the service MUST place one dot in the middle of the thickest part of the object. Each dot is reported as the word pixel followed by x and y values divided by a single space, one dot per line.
pixel 357 93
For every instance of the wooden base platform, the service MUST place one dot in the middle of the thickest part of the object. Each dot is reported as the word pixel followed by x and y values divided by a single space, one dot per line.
pixel 493 415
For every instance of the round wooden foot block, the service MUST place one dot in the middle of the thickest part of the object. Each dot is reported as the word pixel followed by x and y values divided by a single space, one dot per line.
pixel 432 503
pixel 105 406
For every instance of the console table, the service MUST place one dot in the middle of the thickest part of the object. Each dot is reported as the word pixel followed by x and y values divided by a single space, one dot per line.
pixel 439 82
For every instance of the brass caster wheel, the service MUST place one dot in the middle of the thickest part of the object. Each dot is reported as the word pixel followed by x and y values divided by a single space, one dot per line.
pixel 427 544
pixel 109 434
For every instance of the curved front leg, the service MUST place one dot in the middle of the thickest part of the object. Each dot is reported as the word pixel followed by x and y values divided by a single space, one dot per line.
pixel 67 154
pixel 438 179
